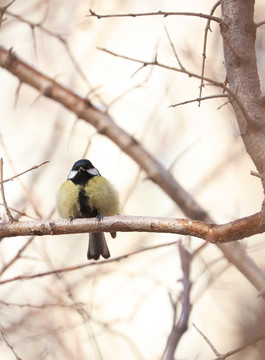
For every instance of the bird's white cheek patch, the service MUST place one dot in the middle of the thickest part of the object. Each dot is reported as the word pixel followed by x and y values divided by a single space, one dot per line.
pixel 72 174
pixel 93 171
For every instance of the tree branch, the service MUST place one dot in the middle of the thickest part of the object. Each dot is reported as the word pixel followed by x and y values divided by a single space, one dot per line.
pixel 231 352
pixel 200 99
pixel 155 62
pixel 179 328
pixel 239 33
pixel 232 231
pixel 206 30
pixel 24 172
pixel 159 13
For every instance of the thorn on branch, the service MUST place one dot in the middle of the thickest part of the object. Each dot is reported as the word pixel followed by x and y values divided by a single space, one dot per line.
pixel 17 93
pixel 257 174
pixel 92 13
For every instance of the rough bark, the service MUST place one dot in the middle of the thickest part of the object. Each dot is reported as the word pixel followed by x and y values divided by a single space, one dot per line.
pixel 239 34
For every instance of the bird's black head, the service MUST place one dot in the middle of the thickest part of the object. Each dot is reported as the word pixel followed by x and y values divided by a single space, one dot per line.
pixel 82 171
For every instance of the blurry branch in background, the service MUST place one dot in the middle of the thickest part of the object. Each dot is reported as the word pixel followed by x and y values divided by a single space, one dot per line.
pixel 29 193
pixel 20 252
pixel 128 144
pixel 7 342
pixel 24 172
pixel 59 37
pixel 20 213
pixel 82 312
pixel 3 9
pixel 231 352
pixel 180 326
pixel 87 264
pixel 16 256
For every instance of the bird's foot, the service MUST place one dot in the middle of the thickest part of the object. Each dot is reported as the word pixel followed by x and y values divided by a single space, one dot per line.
pixel 99 217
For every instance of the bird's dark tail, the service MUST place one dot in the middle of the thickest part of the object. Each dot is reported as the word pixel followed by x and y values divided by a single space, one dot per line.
pixel 97 246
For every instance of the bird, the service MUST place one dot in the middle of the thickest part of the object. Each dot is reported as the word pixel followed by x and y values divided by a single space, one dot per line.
pixel 87 194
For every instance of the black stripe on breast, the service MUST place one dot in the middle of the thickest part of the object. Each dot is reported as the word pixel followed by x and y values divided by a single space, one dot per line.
pixel 85 209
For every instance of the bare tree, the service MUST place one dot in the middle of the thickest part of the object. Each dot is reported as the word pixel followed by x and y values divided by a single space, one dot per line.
pixel 76 76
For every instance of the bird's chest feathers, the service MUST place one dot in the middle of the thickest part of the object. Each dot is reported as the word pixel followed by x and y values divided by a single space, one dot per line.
pixel 101 197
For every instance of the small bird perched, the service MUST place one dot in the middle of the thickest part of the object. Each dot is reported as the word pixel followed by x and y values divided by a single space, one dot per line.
pixel 87 194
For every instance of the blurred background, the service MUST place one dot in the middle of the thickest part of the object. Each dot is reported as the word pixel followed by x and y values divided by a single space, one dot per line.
pixel 124 309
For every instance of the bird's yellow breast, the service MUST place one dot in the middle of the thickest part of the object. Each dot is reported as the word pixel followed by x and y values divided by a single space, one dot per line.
pixel 102 196
pixel 100 193
pixel 67 200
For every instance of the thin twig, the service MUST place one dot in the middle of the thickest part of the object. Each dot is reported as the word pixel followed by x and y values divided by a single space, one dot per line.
pixel 24 172
pixel 29 194
pixel 207 340
pixel 182 153
pixel 190 74
pixel 207 28
pixel 239 349
pixel 17 256
pixel 81 311
pixel 200 99
pixel 174 50
pixel 159 13
pixel 2 332
pixel 60 38
pixel 87 264
pixel 3 9
pixel 10 217
pixel 20 213
pixel 231 352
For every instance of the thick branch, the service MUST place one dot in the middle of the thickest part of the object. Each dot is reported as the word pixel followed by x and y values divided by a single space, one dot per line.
pixel 239 34
pixel 235 230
